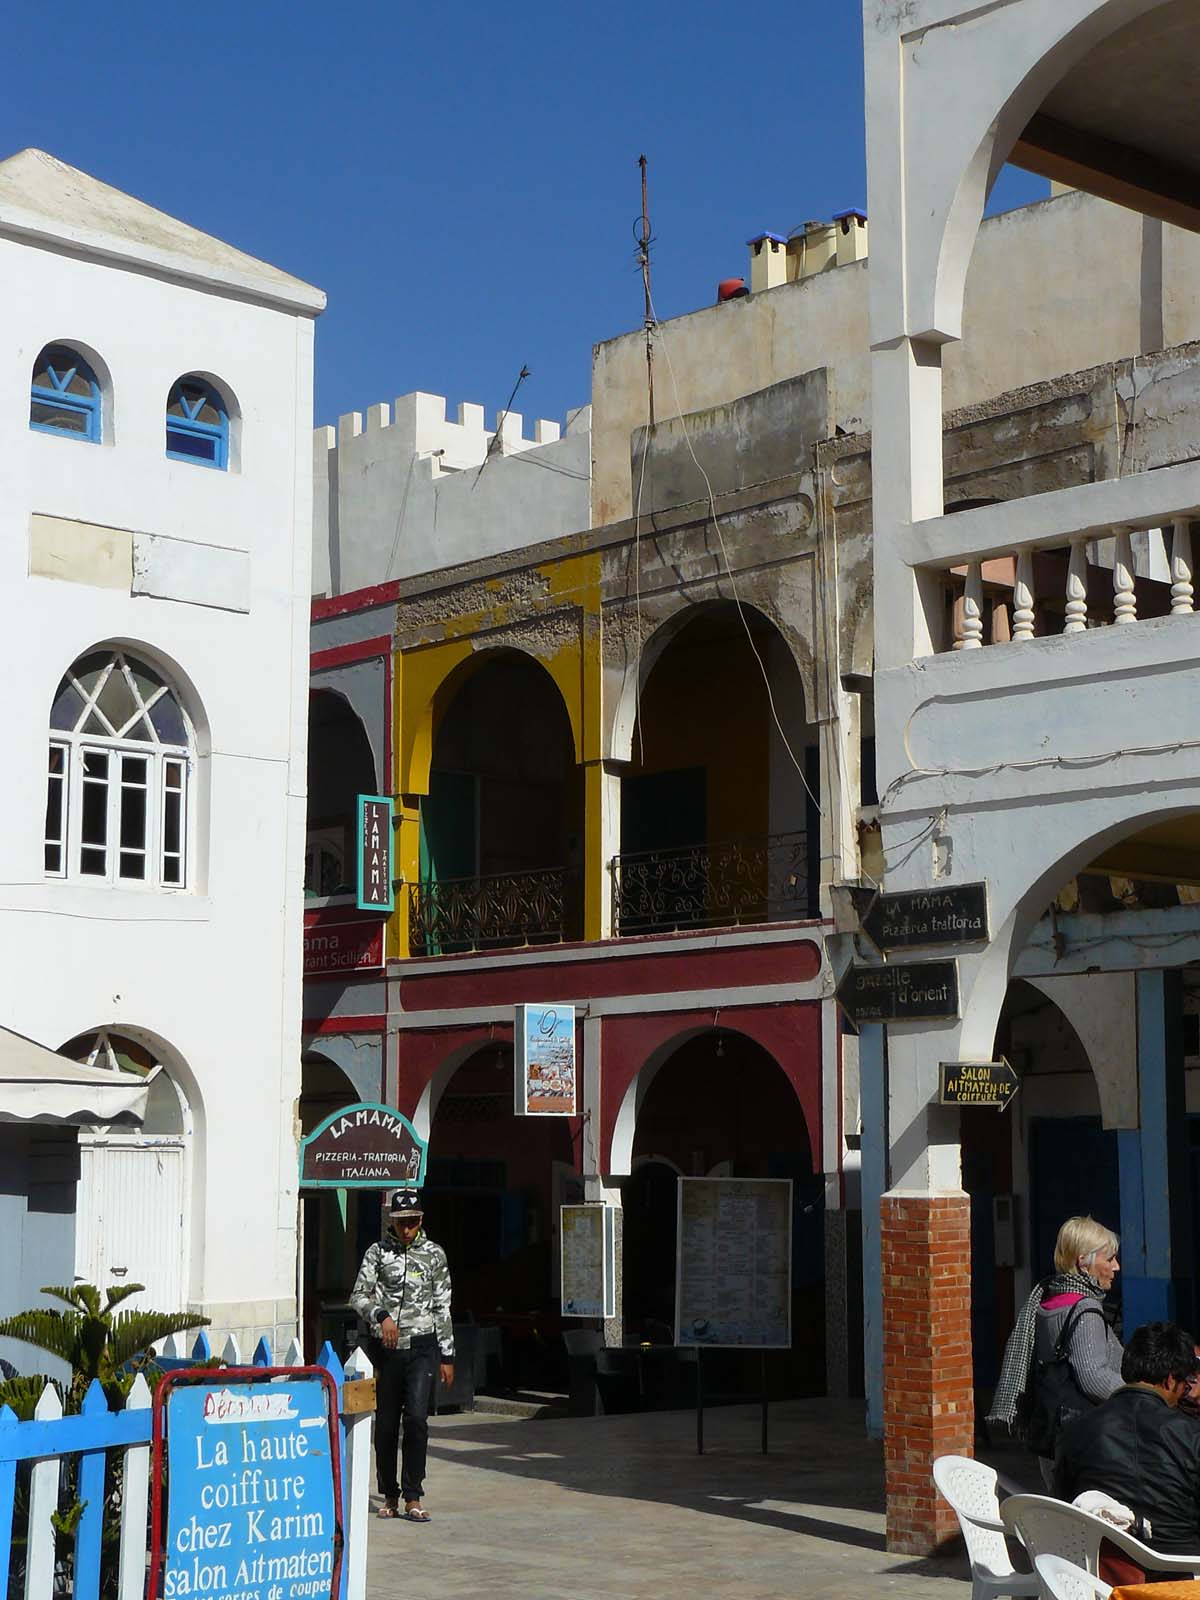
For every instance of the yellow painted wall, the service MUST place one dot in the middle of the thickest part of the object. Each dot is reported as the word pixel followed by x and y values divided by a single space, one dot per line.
pixel 705 705
pixel 427 677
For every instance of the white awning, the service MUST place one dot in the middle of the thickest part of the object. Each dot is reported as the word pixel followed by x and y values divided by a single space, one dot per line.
pixel 36 1085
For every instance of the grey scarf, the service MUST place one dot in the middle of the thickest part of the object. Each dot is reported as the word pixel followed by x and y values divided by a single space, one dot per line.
pixel 1018 1352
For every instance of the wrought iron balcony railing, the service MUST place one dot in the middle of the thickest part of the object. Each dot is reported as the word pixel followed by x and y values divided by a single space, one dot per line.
pixel 492 913
pixel 713 885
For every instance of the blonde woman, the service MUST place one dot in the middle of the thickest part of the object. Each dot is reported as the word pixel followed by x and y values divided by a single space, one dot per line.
pixel 1063 1324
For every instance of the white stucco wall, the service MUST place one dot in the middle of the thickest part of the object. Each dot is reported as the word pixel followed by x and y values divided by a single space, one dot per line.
pixel 212 972
pixel 1053 287
pixel 406 490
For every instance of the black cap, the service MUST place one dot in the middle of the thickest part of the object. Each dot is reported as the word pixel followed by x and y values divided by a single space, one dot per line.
pixel 405 1203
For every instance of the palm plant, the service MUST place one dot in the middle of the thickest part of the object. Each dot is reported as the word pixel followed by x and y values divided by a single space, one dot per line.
pixel 99 1344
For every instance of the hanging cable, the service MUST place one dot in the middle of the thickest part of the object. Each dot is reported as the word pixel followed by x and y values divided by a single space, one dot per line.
pixel 737 599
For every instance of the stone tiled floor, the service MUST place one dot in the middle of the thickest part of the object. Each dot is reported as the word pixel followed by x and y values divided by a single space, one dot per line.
pixel 622 1508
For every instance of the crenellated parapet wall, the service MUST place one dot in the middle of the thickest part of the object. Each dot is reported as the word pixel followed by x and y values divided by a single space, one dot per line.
pixel 418 423
pixel 401 488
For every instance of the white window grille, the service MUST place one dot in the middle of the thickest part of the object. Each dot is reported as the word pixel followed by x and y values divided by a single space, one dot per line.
pixel 121 753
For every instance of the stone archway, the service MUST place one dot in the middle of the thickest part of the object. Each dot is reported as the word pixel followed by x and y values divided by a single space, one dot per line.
pixel 336 1224
pixel 720 814
pixel 501 823
pixel 715 1102
pixel 341 766
pixel 494 1184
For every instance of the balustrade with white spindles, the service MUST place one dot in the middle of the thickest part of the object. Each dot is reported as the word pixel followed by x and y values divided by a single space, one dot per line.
pixel 1073 607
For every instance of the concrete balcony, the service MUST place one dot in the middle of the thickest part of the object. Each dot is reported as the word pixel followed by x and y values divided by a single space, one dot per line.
pixel 1055 645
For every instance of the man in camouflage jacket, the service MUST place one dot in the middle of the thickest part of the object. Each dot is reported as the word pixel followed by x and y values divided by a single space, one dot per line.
pixel 402 1297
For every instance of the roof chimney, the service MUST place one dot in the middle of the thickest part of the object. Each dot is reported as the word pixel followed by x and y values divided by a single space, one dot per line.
pixel 768 261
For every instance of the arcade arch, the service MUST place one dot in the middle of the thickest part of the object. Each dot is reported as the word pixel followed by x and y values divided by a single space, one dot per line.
pixel 715 1103
pixel 494 1185
pixel 134 1200
pixel 501 824
pixel 341 766
pixel 1053 1154
pixel 719 818
pixel 1037 80
pixel 337 1225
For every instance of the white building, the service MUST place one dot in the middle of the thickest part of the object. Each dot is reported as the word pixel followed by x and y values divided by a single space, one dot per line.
pixel 412 491
pixel 1047 723
pixel 155 447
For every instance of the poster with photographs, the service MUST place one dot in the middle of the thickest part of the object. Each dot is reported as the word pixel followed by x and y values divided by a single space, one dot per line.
pixel 733 1265
pixel 544 1075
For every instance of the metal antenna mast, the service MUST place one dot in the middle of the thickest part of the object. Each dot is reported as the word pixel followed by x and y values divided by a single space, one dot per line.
pixel 495 443
pixel 644 263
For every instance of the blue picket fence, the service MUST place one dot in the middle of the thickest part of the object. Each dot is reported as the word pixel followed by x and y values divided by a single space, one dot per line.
pixel 50 1438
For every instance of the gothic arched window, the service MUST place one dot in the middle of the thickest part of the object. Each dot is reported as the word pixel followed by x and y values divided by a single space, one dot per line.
pixel 121 753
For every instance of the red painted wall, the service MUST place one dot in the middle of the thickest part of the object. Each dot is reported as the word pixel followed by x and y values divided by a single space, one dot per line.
pixel 660 971
pixel 789 1033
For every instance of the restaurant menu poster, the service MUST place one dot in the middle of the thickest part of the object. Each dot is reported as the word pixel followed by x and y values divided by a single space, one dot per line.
pixel 733 1267
pixel 544 1075
pixel 587 1242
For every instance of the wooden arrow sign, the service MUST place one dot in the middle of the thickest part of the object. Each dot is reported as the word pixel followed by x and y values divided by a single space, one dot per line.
pixel 902 991
pixel 977 1083
pixel 956 914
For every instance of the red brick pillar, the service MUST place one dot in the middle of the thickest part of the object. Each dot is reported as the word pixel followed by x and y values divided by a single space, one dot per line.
pixel 928 1401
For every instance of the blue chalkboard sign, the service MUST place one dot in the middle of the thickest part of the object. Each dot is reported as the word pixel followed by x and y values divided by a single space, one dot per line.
pixel 252 1487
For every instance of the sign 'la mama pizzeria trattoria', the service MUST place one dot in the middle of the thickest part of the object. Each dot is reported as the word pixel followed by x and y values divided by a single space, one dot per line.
pixel 363 1146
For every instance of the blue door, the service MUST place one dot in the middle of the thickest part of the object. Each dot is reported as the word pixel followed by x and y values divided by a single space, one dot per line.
pixel 1074 1171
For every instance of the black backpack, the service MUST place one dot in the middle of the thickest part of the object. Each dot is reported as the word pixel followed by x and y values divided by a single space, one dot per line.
pixel 1052 1397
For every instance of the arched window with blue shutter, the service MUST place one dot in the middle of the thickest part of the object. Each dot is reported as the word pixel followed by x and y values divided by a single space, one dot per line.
pixel 65 396
pixel 198 423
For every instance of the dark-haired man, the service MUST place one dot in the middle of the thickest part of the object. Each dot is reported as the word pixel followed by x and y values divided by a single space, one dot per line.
pixel 1138 1447
pixel 402 1297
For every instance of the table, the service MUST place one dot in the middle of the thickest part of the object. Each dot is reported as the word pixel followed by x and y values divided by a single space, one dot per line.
pixel 1174 1589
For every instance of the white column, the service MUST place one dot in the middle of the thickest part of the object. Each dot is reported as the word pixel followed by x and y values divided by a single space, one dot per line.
pixel 1124 598
pixel 610 842
pixel 1077 588
pixel 590 1083
pixel 907 480
pixel 1023 614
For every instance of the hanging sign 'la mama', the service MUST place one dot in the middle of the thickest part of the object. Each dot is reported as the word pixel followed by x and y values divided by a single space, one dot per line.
pixel 364 1146
pixel 375 891
pixel 951 914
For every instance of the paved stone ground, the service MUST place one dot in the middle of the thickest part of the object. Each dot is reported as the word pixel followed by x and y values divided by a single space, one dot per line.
pixel 622 1508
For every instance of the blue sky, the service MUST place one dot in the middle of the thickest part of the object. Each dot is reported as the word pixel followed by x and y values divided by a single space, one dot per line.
pixel 461 179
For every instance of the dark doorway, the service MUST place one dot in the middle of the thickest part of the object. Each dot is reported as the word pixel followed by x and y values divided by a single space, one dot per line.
pixel 721 1105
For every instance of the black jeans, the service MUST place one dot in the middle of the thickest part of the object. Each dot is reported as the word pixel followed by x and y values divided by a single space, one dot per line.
pixel 403 1383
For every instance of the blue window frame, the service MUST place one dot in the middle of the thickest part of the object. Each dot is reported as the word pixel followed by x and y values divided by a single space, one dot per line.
pixel 197 424
pixel 65 395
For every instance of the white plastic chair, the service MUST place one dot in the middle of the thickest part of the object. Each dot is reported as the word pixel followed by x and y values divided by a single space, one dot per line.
pixel 1065 1581
pixel 1048 1527
pixel 970 1488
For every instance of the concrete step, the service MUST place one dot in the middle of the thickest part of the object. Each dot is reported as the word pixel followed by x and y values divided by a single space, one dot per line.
pixel 528 1403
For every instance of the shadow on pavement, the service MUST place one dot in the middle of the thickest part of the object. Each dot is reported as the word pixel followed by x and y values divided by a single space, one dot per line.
pixel 823 1479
